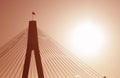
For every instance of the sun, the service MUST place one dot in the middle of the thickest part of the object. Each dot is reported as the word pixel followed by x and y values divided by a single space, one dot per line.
pixel 88 38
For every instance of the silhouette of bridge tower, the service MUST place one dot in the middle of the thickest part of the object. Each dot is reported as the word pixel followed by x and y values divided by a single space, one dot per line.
pixel 32 45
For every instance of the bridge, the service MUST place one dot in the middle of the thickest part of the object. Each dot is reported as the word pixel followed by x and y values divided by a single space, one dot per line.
pixel 34 54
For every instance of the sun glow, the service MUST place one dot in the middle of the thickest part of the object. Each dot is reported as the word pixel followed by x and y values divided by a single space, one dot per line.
pixel 88 38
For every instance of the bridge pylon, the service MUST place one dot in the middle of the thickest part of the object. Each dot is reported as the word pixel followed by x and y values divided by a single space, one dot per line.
pixel 32 45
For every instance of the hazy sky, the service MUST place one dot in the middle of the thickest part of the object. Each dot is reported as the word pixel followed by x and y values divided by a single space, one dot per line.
pixel 56 17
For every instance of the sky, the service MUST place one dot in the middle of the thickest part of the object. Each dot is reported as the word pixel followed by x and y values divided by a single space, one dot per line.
pixel 58 18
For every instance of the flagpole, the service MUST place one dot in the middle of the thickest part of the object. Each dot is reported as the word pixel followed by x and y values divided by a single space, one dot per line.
pixel 33 13
pixel 32 17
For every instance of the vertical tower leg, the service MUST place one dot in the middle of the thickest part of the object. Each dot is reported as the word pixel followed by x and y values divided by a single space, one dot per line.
pixel 27 64
pixel 38 64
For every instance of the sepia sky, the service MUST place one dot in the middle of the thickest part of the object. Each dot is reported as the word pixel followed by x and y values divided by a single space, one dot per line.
pixel 58 17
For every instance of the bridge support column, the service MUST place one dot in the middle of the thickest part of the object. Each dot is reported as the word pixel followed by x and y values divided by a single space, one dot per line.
pixel 32 45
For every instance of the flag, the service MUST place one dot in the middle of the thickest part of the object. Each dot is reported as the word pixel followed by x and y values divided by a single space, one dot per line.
pixel 33 13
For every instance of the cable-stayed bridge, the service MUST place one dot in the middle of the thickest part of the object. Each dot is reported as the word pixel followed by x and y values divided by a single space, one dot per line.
pixel 33 54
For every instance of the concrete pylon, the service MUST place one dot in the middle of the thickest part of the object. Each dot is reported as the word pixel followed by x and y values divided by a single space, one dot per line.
pixel 32 45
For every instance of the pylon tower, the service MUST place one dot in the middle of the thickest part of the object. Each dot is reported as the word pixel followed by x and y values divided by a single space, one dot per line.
pixel 32 45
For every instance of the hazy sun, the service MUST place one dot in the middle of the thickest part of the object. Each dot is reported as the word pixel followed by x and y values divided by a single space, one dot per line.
pixel 88 37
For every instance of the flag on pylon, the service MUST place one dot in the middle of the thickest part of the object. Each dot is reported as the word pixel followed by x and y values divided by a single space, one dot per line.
pixel 33 13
